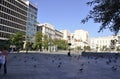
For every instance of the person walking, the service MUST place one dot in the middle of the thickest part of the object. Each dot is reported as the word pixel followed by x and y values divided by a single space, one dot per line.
pixel 4 53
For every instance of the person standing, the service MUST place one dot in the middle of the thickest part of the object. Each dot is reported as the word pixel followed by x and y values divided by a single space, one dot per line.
pixel 5 52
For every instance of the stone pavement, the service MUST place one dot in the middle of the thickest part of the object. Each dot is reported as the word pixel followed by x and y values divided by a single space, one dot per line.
pixel 60 66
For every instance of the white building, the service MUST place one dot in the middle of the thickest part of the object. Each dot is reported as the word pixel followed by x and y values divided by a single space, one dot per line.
pixel 98 43
pixel 104 43
pixel 66 35
pixel 79 38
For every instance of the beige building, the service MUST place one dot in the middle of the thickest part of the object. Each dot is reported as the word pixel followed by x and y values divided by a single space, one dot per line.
pixel 47 29
pixel 51 32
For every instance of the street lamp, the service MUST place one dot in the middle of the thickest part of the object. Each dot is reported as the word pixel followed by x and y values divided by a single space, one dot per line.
pixel 69 44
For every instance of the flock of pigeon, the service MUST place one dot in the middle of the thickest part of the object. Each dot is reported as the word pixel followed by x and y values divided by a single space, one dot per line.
pixel 62 61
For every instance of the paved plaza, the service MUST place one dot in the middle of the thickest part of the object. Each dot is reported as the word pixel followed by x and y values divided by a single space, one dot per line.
pixel 60 66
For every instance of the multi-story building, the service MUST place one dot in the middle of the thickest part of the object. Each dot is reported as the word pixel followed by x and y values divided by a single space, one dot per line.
pixel 79 38
pixel 47 29
pixel 105 43
pixel 66 35
pixel 51 32
pixel 31 27
pixel 13 18
pixel 98 43
pixel 58 34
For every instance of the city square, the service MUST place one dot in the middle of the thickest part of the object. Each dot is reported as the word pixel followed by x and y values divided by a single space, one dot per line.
pixel 59 39
pixel 60 66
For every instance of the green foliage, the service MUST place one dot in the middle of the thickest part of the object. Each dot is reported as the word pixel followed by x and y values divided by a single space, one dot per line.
pixel 61 44
pixel 106 12
pixel 118 48
pixel 87 48
pixel 45 42
pixel 79 48
pixel 27 46
pixel 38 40
pixel 17 40
pixel 104 48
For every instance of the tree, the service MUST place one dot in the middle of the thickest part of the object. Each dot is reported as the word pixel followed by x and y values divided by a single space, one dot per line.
pixel 38 40
pixel 118 48
pixel 87 48
pixel 28 42
pixel 104 48
pixel 27 46
pixel 17 40
pixel 61 44
pixel 45 42
pixel 79 48
pixel 106 12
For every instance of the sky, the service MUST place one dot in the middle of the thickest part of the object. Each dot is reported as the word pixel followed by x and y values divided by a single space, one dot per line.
pixel 67 15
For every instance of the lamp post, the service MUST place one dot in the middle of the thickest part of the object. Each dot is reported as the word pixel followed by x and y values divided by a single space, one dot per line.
pixel 69 44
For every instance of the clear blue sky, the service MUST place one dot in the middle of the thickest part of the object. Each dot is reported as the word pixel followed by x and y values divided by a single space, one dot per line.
pixel 67 14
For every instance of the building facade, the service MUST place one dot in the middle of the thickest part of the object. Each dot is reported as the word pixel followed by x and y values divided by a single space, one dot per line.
pixel 31 27
pixel 47 29
pixel 51 32
pixel 80 38
pixel 13 18
pixel 66 35
pixel 58 34
pixel 105 43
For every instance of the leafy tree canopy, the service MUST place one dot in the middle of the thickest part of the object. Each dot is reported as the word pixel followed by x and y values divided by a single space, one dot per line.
pixel 17 39
pixel 106 12
pixel 38 39
pixel 62 44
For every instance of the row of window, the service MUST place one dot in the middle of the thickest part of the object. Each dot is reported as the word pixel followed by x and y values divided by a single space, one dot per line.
pixel 19 3
pixel 13 13
pixel 32 11
pixel 3 15
pixel 8 23
pixel 14 8
pixel 4 35
pixel 8 29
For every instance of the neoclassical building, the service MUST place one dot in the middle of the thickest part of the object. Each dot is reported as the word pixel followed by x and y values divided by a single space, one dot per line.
pixel 80 38
pixel 49 30
pixel 105 43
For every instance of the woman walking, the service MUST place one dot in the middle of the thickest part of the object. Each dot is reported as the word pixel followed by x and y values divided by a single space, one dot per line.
pixel 4 53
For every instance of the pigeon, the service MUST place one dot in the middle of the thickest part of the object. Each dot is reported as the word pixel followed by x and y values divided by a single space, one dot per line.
pixel 59 66
pixel 60 63
pixel 32 58
pixel 88 61
pixel 82 64
pixel 95 61
pixel 114 68
pixel 107 62
pixel 81 69
pixel 14 56
pixel 34 66
pixel 25 61
pixel 53 61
